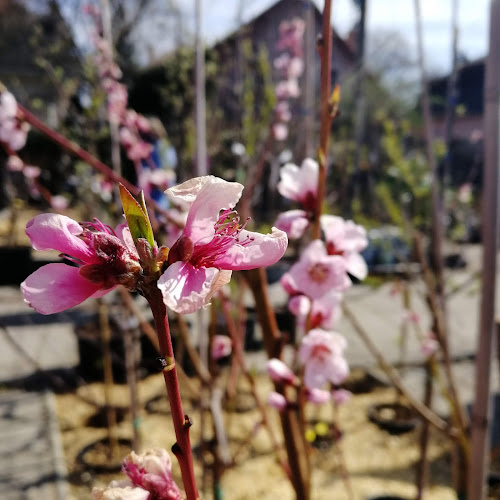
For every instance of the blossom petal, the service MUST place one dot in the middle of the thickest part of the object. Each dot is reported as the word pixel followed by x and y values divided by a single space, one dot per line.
pixel 356 265
pixel 186 288
pixel 215 194
pixel 317 273
pixel 56 287
pixel 293 222
pixel 124 234
pixel 206 195
pixel 254 250
pixel 58 232
pixel 296 183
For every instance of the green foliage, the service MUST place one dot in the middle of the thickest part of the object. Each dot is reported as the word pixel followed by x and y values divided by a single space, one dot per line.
pixel 404 187
pixel 258 96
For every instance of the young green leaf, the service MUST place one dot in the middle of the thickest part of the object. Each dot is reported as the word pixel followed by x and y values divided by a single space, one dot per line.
pixel 137 217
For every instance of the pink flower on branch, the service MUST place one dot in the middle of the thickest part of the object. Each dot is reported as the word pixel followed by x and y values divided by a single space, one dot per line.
pixel 13 131
pixel 320 313
pixel 151 470
pixel 341 396
pixel 318 396
pixel 221 347
pixel 430 345
pixel 316 273
pixel 321 352
pixel 277 401
pixel 213 244
pixel 279 372
pixel 293 222
pixel 103 261
pixel 300 184
pixel 346 239
pixel 120 490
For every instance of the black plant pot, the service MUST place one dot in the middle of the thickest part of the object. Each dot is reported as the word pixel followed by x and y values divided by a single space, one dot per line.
pixel 394 418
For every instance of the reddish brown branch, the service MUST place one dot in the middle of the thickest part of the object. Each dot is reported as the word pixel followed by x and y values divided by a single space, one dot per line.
pixel 325 50
pixel 182 423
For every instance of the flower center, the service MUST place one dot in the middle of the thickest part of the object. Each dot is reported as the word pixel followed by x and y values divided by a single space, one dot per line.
pixel 227 233
pixel 333 250
pixel 319 272
pixel 320 352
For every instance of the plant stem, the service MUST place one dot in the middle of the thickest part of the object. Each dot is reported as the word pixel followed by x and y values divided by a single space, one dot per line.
pixel 325 112
pixel 108 376
pixel 182 423
pixel 75 149
pixel 423 410
pixel 296 447
pixel 240 358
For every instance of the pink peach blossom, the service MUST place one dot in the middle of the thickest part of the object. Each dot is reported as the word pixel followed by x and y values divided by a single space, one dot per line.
pixel 151 470
pixel 409 316
pixel 347 239
pixel 430 345
pixel 341 396
pixel 287 89
pixel 282 110
pixel 318 396
pixel 279 372
pixel 320 313
pixel 59 202
pixel 293 222
pixel 221 347
pixel 31 171
pixel 15 164
pixel 280 131
pixel 300 184
pixel 119 490
pixel 13 132
pixel 213 244
pixel 321 352
pixel 317 273
pixel 103 261
pixel 291 34
pixel 277 401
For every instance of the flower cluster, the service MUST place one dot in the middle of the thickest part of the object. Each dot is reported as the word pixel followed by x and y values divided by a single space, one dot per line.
pixel 13 134
pixel 149 477
pixel 132 124
pixel 13 130
pixel 316 283
pixel 136 133
pixel 101 258
pixel 290 66
pixel 212 244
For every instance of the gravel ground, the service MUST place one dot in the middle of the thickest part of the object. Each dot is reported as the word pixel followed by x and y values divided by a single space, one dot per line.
pixel 378 463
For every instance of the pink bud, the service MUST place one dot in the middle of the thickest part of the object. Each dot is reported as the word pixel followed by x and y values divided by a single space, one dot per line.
pixel 341 396
pixel 318 396
pixel 221 346
pixel 59 202
pixel 14 163
pixel 409 316
pixel 31 171
pixel 277 401
pixel 430 345
pixel 280 131
pixel 151 470
pixel 279 372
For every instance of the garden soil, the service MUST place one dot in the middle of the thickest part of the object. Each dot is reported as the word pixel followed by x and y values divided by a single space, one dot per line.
pixel 378 463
